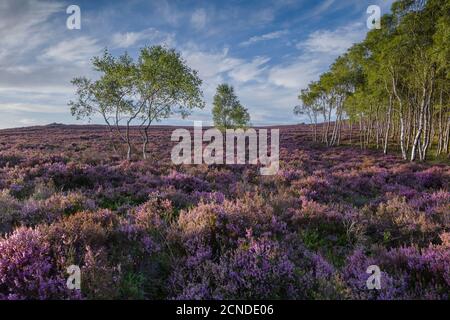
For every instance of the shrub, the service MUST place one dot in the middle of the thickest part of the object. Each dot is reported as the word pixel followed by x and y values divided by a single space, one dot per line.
pixel 255 269
pixel 27 269
pixel 9 212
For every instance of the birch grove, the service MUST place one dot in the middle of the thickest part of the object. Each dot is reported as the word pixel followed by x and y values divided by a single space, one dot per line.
pixel 392 90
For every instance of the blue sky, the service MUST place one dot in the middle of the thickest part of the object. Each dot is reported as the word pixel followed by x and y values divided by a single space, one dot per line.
pixel 268 50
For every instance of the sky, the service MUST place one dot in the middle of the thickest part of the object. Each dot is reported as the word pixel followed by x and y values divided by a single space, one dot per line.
pixel 268 50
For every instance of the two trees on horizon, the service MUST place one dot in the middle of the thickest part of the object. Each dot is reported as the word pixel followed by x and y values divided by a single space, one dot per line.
pixel 156 86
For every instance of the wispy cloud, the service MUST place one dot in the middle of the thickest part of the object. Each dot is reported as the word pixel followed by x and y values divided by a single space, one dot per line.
pixel 150 36
pixel 27 121
pixel 210 63
pixel 249 70
pixel 23 26
pixel 198 19
pixel 31 107
pixel 78 50
pixel 333 41
pixel 212 67
pixel 322 7
pixel 296 74
pixel 265 37
pixel 167 11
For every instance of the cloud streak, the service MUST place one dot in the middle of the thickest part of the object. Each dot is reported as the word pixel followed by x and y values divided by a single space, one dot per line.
pixel 265 37
pixel 334 41
pixel 150 35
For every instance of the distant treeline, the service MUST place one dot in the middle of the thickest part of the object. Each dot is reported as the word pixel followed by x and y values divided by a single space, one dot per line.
pixel 393 88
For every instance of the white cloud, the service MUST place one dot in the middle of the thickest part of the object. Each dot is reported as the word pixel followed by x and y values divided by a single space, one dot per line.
pixel 218 67
pixel 334 41
pixel 18 69
pixel 27 121
pixel 32 107
pixel 129 39
pixel 198 19
pixel 24 27
pixel 269 92
pixel 249 71
pixel 265 37
pixel 296 74
pixel 34 72
pixel 323 7
pixel 267 104
pixel 167 11
pixel 125 40
pixel 78 50
pixel 263 16
pixel 210 64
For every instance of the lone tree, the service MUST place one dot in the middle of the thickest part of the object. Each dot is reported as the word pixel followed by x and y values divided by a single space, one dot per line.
pixel 310 106
pixel 139 93
pixel 228 113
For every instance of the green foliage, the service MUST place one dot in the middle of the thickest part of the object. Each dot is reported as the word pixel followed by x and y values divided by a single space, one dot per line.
pixel 158 85
pixel 394 83
pixel 167 83
pixel 131 286
pixel 228 113
pixel 152 87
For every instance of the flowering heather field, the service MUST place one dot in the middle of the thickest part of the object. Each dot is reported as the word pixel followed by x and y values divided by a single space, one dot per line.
pixel 152 230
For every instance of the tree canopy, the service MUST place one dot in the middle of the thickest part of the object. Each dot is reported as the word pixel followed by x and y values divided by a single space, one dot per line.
pixel 128 93
pixel 394 84
pixel 228 113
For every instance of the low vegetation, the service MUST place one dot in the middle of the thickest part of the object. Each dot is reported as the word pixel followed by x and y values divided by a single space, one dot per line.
pixel 153 230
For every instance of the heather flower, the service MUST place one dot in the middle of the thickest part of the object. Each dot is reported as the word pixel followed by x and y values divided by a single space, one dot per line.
pixel 257 269
pixel 27 269
pixel 355 276
pixel 222 225
pixel 56 206
pixel 9 211
pixel 430 178
pixel 100 279
pixel 153 230
pixel 71 236
pixel 185 182
pixel 214 197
